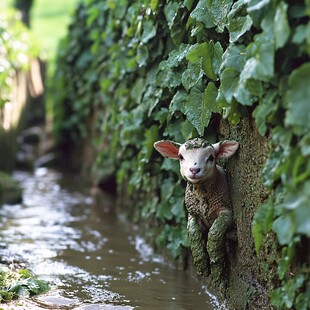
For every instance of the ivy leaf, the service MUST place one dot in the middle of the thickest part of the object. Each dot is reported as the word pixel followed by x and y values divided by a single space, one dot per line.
pixel 284 227
pixel 219 10
pixel 257 10
pixel 255 89
pixel 162 115
pixel 177 56
pixel 149 31
pixel 298 205
pixel 189 4
pixel 167 189
pixel 262 223
pixel 151 98
pixel 204 52
pixel 137 90
pixel 302 215
pixel 169 78
pixel 209 97
pixel 231 112
pixel 142 55
pixel 177 31
pixel 229 83
pixel 188 130
pixel 305 145
pixel 260 63
pixel 151 135
pixel 172 130
pixel 268 25
pixel 217 59
pixel 303 300
pixel 281 26
pixel 171 12
pixel 178 102
pixel 301 33
pixel 238 26
pixel 177 206
pixel 244 92
pixel 163 210
pixel 238 22
pixel 192 75
pixel 234 57
pixel 266 107
pixel 195 110
pixel 202 14
pixel 288 254
pixel 175 241
pixel 154 5
pixel 273 167
pixel 298 111
pixel 199 107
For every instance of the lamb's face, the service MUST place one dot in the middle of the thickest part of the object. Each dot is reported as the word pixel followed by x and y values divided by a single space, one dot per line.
pixel 197 156
pixel 197 164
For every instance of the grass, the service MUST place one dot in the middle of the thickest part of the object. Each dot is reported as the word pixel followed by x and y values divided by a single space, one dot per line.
pixel 49 20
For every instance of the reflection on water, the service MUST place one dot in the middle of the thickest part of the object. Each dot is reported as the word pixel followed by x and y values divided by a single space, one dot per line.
pixel 92 259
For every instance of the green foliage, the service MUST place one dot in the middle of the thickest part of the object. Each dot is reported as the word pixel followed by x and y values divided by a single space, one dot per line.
pixel 262 223
pixel 284 110
pixel 15 284
pixel 150 69
pixel 18 46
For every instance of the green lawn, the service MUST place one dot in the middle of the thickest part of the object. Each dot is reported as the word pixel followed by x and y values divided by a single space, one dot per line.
pixel 49 21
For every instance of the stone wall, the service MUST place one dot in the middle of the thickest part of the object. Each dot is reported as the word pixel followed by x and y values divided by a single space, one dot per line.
pixel 249 281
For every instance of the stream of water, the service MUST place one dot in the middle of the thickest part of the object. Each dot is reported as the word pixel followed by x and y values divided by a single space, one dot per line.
pixel 91 258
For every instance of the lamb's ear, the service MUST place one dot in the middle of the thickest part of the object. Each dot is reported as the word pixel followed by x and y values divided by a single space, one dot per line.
pixel 225 149
pixel 167 148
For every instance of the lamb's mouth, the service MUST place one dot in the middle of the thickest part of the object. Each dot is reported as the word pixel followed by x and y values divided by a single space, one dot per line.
pixel 194 178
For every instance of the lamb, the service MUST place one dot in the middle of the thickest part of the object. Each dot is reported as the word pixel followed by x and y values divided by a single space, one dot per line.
pixel 207 201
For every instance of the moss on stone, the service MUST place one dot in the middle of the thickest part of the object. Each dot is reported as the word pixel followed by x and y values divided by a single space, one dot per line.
pixel 251 276
pixel 10 190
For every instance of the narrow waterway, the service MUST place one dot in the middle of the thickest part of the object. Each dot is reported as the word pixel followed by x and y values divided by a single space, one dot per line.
pixel 91 258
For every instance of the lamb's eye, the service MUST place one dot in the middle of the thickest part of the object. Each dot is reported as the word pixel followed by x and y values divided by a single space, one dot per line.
pixel 181 157
pixel 210 159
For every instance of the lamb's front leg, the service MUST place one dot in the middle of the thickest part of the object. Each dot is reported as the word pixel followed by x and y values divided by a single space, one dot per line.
pixel 198 247
pixel 216 247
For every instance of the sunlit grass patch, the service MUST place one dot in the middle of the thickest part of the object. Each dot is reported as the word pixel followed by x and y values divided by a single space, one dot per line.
pixel 49 22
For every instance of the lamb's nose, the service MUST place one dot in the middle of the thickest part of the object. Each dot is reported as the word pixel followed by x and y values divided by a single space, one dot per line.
pixel 194 170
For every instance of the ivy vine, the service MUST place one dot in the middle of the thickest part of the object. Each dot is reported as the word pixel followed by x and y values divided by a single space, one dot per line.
pixel 150 69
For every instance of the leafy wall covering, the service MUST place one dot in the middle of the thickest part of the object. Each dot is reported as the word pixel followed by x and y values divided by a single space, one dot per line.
pixel 150 69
